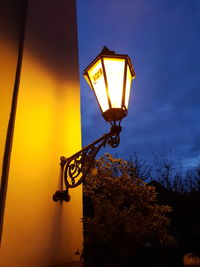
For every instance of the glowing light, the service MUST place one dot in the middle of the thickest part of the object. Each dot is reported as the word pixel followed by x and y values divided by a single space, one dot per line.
pixel 110 76
pixel 98 83
pixel 115 77
pixel 129 79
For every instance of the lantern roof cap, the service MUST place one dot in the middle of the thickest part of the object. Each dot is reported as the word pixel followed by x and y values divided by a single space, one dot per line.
pixel 106 52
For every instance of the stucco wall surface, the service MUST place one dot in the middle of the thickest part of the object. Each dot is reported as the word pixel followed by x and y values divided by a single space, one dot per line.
pixel 37 231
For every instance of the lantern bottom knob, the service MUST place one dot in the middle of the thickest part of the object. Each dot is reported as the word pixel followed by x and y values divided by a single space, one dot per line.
pixel 114 114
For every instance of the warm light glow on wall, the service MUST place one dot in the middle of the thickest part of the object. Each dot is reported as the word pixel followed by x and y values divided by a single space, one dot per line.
pixel 41 135
pixel 40 120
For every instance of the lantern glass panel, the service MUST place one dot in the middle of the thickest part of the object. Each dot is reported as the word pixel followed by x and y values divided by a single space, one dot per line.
pixel 98 83
pixel 128 86
pixel 114 68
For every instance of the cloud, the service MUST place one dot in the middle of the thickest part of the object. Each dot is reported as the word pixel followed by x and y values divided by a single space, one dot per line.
pixel 163 38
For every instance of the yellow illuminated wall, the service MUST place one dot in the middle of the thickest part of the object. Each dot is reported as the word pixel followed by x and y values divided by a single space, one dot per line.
pixel 37 231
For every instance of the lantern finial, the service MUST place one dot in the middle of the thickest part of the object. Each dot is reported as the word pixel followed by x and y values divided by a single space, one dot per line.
pixel 107 51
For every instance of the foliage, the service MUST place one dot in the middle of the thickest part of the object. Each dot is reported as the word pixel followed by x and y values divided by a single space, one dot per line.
pixel 192 179
pixel 121 212
pixel 183 194
pixel 167 173
pixel 140 167
pixel 171 176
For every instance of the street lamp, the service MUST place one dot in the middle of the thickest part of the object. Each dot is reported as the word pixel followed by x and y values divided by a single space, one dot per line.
pixel 110 76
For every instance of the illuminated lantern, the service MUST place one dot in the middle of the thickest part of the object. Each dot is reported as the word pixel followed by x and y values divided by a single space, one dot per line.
pixel 110 76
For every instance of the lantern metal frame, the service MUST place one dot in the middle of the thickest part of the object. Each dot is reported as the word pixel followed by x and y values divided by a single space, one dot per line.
pixel 75 168
pixel 78 165
pixel 112 114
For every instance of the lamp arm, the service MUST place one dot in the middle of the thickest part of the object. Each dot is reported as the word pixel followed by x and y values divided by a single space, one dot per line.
pixel 76 167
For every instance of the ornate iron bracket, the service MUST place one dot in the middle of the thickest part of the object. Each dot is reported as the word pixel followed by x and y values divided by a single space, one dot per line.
pixel 76 167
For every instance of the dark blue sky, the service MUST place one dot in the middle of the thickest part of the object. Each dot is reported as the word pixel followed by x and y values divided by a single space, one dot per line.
pixel 162 37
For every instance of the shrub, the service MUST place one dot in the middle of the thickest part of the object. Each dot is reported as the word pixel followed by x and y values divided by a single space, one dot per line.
pixel 121 214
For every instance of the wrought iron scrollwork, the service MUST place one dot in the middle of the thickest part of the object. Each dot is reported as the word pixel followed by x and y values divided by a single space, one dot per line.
pixel 76 167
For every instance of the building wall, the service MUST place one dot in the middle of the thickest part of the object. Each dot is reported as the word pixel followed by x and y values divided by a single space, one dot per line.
pixel 9 44
pixel 36 230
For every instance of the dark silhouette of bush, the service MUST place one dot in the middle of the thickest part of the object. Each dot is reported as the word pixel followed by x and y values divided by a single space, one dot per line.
pixel 121 214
